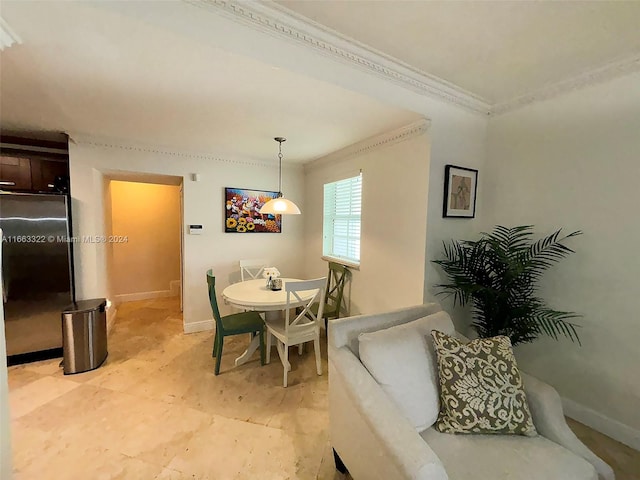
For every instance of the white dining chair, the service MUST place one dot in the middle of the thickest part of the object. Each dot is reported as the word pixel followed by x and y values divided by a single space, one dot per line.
pixel 306 325
pixel 252 269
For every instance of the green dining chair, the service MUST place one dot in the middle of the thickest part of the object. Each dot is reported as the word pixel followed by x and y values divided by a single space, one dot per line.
pixel 335 290
pixel 234 324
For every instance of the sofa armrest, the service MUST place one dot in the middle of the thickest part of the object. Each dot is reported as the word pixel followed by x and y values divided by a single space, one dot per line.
pixel 548 417
pixel 368 432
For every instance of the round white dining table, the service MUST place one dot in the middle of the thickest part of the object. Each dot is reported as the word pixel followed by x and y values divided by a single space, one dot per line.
pixel 254 295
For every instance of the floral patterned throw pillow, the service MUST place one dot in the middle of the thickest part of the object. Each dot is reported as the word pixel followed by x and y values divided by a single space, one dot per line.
pixel 481 389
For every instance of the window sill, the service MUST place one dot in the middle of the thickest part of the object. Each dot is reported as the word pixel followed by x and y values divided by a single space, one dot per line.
pixel 342 261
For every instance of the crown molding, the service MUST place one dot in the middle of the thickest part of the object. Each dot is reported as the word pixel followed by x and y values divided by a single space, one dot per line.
pixel 276 20
pixel 372 143
pixel 101 142
pixel 610 71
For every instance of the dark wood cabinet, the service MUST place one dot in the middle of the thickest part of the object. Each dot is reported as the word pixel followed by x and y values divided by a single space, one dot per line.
pixel 33 165
pixel 44 173
pixel 15 173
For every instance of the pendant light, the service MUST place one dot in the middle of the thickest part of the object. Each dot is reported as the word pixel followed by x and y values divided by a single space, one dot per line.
pixel 280 205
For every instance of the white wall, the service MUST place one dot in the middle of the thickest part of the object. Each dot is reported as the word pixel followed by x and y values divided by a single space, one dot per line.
pixel 572 162
pixel 203 204
pixel 457 138
pixel 395 178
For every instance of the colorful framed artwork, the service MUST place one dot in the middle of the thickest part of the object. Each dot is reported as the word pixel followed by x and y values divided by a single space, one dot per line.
pixel 460 188
pixel 242 212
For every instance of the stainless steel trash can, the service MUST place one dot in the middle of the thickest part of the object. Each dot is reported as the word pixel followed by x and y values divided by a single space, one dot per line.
pixel 84 335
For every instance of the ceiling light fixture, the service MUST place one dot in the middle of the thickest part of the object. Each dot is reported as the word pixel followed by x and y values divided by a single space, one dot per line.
pixel 280 205
pixel 7 36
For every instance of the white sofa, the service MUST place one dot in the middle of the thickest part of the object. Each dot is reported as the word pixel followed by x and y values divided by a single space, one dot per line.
pixel 374 440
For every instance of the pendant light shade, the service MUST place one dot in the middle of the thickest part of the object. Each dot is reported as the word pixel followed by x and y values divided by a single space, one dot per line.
pixel 280 205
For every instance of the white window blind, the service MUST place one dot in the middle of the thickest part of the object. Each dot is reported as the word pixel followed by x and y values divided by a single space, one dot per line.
pixel 341 228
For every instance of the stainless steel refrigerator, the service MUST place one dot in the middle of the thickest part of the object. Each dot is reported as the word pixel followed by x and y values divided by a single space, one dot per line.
pixel 37 272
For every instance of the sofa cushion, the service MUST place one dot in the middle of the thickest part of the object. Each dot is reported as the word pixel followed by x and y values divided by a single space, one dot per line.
pixel 481 390
pixel 402 360
pixel 512 457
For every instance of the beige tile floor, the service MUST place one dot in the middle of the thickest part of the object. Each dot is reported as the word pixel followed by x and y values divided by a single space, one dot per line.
pixel 156 411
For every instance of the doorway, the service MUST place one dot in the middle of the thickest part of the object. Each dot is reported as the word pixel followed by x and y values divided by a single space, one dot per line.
pixel 143 231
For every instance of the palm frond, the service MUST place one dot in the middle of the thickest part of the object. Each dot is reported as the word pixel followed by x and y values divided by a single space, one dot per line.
pixel 498 275
pixel 556 323
pixel 511 239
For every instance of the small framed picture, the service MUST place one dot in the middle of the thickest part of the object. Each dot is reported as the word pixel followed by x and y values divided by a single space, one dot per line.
pixel 460 187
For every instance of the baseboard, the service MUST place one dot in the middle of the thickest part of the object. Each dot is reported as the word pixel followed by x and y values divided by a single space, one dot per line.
pixel 603 424
pixel 202 326
pixel 132 297
pixel 174 288
pixel 111 317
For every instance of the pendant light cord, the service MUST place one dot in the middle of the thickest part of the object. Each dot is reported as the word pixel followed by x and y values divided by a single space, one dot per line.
pixel 280 140
pixel 279 205
pixel 280 168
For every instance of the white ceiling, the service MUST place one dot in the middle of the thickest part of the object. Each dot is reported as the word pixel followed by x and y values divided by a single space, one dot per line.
pixel 498 50
pixel 99 71
pixel 88 70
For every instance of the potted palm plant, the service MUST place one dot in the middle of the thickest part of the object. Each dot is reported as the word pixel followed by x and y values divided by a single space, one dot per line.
pixel 498 275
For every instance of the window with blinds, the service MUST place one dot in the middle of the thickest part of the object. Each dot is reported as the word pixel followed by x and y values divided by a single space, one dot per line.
pixel 341 228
